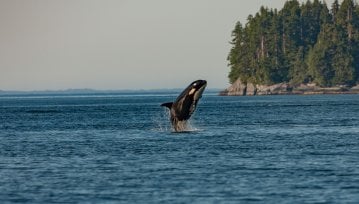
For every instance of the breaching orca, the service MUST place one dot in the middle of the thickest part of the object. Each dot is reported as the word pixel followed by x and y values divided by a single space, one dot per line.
pixel 185 104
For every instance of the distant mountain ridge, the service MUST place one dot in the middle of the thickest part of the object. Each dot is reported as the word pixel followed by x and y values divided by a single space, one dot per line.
pixel 94 91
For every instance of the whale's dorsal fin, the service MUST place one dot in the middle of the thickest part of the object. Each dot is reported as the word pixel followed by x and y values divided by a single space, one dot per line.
pixel 168 105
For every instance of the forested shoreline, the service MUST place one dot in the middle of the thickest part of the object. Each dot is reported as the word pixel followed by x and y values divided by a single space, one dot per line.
pixel 302 43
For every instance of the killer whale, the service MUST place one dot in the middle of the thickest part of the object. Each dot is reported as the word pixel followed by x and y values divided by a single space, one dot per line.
pixel 185 104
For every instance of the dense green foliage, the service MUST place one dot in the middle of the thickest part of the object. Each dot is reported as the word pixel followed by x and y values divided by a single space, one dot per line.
pixel 301 43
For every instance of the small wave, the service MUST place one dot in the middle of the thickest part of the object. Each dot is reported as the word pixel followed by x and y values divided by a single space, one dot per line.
pixel 42 111
pixel 187 131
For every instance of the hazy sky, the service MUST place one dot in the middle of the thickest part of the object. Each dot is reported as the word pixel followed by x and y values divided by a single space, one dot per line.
pixel 118 44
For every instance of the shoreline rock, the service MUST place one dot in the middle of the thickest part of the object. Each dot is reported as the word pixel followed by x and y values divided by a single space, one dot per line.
pixel 238 88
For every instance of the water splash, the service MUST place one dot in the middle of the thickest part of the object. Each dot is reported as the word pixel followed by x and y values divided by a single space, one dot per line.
pixel 163 124
pixel 181 126
pixel 184 127
pixel 161 121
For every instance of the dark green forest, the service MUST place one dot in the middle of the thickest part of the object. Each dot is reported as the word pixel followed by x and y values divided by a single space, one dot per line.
pixel 309 42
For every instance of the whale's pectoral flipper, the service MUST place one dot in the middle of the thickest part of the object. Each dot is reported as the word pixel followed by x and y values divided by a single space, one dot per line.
pixel 168 105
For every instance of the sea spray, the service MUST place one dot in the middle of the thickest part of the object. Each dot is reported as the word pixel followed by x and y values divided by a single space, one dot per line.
pixel 160 121
pixel 162 125
pixel 184 126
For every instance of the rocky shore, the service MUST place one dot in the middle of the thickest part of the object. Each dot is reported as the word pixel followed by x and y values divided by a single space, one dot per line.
pixel 238 88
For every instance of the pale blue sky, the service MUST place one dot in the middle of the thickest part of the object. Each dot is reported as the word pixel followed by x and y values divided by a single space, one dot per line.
pixel 118 44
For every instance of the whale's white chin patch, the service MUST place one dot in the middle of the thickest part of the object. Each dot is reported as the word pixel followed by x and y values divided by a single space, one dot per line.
pixel 198 94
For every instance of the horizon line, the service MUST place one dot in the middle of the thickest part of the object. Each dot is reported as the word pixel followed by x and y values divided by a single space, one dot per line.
pixel 97 90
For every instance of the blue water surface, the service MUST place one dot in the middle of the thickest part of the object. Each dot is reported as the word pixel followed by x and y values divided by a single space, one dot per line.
pixel 120 148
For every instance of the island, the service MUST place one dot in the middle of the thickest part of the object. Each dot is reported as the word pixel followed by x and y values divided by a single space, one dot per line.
pixel 304 48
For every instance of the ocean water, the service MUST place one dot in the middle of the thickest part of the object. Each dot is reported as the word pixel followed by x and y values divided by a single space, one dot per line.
pixel 120 148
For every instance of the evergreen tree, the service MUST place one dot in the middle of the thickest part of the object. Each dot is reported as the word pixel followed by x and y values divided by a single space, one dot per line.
pixel 311 20
pixel 342 63
pixel 236 53
pixel 299 72
pixel 320 56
